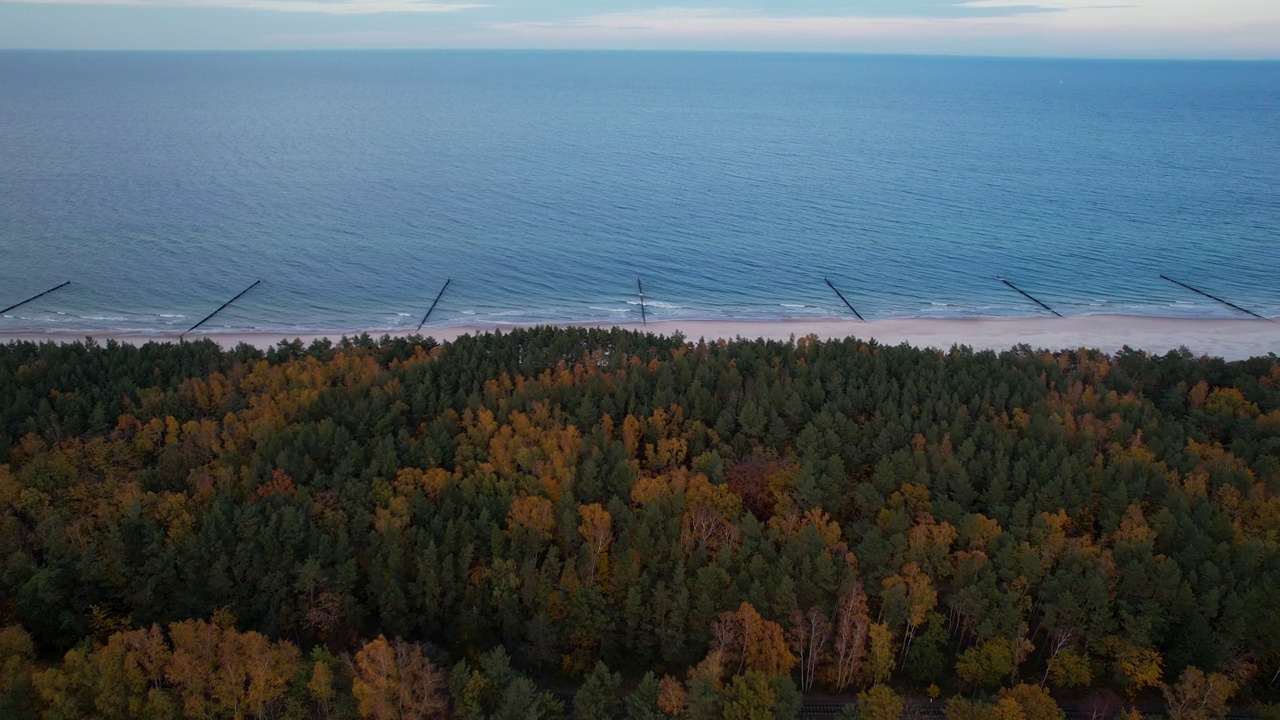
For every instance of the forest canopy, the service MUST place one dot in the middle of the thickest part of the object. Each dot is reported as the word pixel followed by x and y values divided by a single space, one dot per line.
pixel 649 527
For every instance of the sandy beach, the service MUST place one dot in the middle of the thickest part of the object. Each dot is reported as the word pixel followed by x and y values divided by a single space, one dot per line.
pixel 1231 339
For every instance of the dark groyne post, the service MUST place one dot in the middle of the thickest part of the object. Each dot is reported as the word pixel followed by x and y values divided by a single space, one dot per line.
pixel 34 297
pixel 1214 297
pixel 1028 296
pixel 842 297
pixel 644 317
pixel 221 308
pixel 433 305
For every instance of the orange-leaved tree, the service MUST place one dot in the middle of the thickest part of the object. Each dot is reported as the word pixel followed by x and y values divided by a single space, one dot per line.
pixel 748 642
pixel 597 533
pixel 395 680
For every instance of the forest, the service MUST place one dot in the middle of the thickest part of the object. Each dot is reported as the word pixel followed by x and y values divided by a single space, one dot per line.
pixel 594 524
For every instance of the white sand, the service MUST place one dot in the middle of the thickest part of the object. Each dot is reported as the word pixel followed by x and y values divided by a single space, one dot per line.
pixel 1231 339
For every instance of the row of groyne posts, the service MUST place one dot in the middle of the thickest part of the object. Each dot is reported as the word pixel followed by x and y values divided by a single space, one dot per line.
pixel 644 315
pixel 224 305
pixel 1162 277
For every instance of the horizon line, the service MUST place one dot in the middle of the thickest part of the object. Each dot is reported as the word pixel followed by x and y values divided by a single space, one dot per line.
pixel 655 51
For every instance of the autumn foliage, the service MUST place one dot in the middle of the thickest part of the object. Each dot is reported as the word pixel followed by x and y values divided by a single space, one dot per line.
pixel 396 529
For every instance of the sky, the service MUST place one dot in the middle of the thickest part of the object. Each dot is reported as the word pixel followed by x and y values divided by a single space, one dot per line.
pixel 1224 29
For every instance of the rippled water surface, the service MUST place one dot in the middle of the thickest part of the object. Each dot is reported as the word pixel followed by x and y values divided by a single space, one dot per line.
pixel 544 184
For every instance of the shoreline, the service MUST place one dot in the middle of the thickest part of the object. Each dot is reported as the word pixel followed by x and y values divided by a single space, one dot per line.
pixel 1232 339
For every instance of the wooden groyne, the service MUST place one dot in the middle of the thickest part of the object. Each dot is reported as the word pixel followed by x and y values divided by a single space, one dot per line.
pixel 842 298
pixel 436 302
pixel 220 308
pixel 1028 296
pixel 1214 297
pixel 644 317
pixel 34 297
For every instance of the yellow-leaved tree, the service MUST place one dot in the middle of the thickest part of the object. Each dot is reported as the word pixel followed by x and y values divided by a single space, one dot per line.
pixel 218 670
pixel 1199 695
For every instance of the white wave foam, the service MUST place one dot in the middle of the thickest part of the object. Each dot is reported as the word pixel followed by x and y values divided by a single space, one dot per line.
pixel 659 304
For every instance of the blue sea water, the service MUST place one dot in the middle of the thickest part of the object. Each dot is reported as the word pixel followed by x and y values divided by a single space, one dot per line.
pixel 353 184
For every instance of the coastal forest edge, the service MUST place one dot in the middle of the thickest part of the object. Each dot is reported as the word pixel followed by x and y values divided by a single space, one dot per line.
pixel 604 524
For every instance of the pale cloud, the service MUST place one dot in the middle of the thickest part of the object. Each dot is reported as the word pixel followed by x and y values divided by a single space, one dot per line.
pixel 365 38
pixel 691 23
pixel 719 22
pixel 1069 28
pixel 328 7
pixel 1149 27
pixel 1017 5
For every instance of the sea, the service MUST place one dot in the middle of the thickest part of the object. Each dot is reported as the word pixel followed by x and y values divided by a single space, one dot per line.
pixel 553 186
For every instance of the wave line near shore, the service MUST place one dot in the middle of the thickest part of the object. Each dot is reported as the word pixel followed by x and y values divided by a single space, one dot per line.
pixel 1228 338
